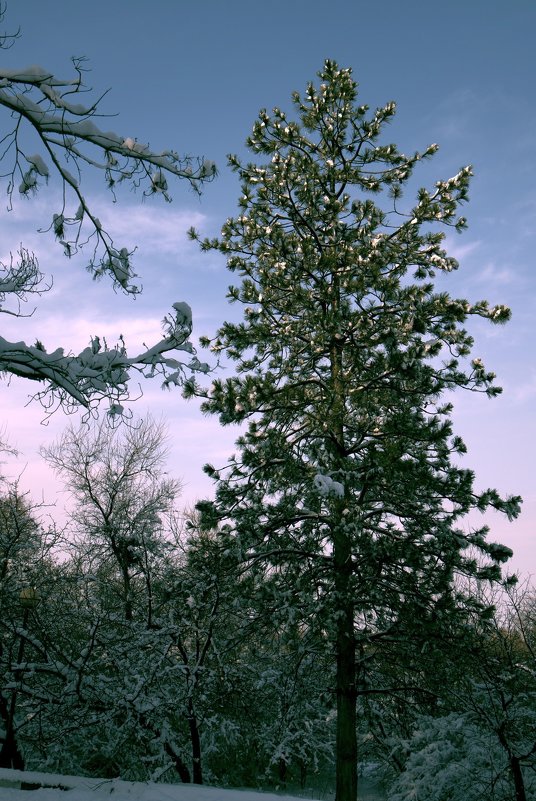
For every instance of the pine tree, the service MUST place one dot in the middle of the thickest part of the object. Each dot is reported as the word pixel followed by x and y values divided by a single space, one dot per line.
pixel 345 478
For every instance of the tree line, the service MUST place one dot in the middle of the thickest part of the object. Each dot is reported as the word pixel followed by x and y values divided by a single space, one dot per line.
pixel 138 643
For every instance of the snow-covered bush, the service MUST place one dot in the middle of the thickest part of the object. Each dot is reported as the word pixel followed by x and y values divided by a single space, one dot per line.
pixel 451 758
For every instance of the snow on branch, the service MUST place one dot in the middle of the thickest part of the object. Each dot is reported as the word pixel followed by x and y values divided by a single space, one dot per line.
pixel 54 133
pixel 99 371
pixel 325 486
pixel 18 280
pixel 56 117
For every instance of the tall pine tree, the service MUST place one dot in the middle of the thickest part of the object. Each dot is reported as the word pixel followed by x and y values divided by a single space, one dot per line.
pixel 347 474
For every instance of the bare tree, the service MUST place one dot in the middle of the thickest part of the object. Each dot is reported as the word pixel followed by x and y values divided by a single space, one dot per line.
pixel 501 692
pixel 122 496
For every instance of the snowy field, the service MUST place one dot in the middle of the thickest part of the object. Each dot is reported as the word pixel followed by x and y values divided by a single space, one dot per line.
pixel 53 787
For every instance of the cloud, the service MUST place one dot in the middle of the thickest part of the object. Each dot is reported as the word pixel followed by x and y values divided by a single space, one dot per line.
pixel 526 391
pixel 452 118
pixel 461 251
pixel 154 229
pixel 77 307
pixel 135 329
pixel 490 274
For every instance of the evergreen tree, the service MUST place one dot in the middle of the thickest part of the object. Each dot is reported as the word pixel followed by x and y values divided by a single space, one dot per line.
pixel 346 471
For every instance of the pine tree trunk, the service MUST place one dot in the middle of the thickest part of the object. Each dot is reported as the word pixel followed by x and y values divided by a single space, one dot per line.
pixel 196 744
pixel 519 783
pixel 10 756
pixel 346 737
pixel 345 647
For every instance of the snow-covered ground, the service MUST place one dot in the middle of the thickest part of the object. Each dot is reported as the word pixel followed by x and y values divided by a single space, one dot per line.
pixel 55 787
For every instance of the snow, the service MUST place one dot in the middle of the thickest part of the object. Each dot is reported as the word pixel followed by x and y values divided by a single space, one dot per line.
pixel 31 74
pixel 184 313
pixel 326 486
pixel 93 789
pixel 54 787
pixel 39 165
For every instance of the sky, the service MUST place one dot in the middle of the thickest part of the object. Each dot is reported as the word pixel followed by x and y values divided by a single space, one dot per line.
pixel 191 76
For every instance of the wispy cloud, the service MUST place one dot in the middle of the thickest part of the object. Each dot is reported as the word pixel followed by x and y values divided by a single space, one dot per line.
pixel 155 228
pixel 483 270
pixel 490 274
pixel 76 306
pixel 452 117
pixel 461 250
pixel 159 230
pixel 525 391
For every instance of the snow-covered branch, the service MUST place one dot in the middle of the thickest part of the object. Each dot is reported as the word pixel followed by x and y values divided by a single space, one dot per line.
pixel 18 280
pixel 47 112
pixel 54 134
pixel 99 371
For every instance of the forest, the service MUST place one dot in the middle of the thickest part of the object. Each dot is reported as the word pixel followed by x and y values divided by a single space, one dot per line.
pixel 137 643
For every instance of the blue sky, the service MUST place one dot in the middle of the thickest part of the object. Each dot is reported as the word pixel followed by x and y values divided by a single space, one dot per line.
pixel 191 75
